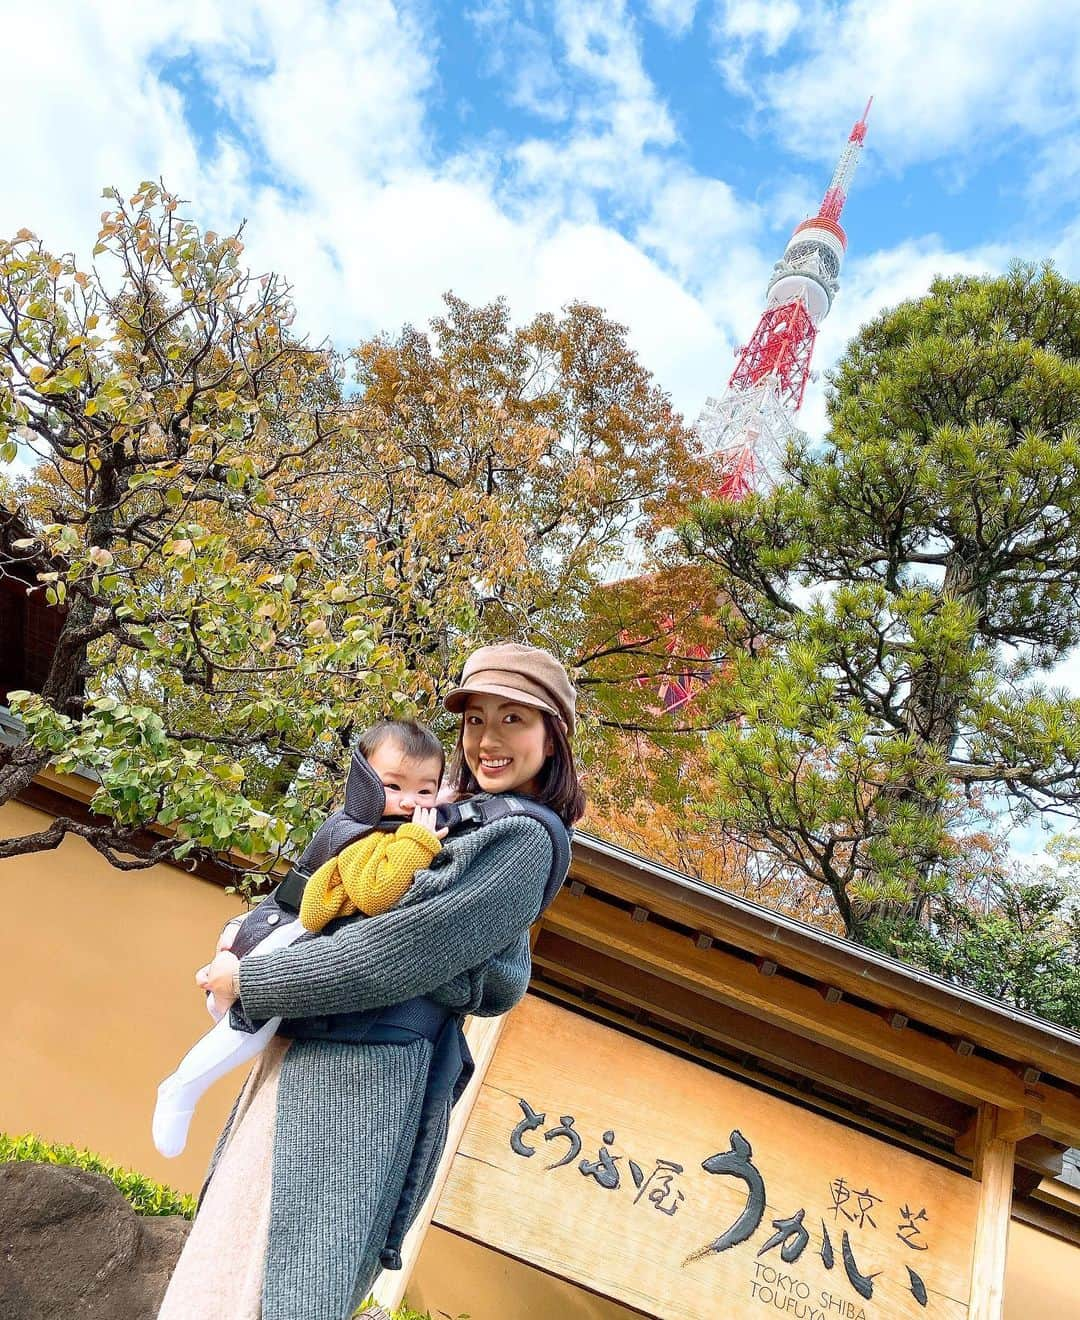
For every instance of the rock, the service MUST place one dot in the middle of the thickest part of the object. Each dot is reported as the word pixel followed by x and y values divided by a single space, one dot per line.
pixel 71 1246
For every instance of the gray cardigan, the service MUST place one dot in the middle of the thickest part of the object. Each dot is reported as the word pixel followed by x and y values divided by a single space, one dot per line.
pixel 347 1114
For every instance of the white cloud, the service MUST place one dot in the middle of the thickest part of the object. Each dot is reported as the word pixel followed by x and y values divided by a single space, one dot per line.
pixel 675 16
pixel 766 24
pixel 322 145
pixel 670 329
pixel 332 164
pixel 1057 172
pixel 339 89
pixel 601 43
pixel 91 114
pixel 691 222
pixel 516 52
pixel 946 78
pixel 743 29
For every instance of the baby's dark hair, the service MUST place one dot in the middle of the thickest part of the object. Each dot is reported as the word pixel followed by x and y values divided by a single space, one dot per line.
pixel 416 741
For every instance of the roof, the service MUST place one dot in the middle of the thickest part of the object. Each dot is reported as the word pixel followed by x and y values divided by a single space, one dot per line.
pixel 865 971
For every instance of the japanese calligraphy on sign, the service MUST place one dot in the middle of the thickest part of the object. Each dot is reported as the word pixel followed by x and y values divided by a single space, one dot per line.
pixel 656 1182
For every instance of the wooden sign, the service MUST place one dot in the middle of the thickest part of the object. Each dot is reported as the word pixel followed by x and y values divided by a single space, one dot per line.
pixel 680 1192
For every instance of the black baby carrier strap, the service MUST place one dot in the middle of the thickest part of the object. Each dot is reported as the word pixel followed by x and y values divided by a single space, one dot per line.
pixel 452 1065
pixel 485 809
pixel 365 802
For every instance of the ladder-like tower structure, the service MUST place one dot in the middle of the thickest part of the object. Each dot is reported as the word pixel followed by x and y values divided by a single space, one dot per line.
pixel 750 425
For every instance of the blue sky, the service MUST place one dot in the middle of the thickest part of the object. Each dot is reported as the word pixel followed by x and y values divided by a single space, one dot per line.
pixel 650 156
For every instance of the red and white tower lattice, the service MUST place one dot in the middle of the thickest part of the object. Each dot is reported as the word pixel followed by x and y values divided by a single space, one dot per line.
pixel 750 426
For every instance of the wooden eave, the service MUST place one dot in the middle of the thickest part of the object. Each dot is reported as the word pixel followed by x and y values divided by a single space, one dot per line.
pixel 828 960
pixel 804 1013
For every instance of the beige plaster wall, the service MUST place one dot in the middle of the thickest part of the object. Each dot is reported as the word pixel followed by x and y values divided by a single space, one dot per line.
pixel 1042 1276
pixel 97 1000
pixel 460 1277
pixel 457 1276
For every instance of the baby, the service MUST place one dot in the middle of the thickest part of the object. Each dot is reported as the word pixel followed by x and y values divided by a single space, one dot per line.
pixel 365 879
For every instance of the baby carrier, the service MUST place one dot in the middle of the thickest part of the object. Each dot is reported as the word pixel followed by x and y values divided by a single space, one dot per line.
pixel 451 1063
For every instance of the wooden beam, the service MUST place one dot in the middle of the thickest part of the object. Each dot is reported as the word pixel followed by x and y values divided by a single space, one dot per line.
pixel 483 1036
pixel 870 1123
pixel 1042 1154
pixel 1016 1124
pixel 994 1155
pixel 708 915
pixel 735 982
pixel 728 980
pixel 1012 1125
pixel 1060 1114
pixel 1052 1219
pixel 1025 1181
pixel 773 1044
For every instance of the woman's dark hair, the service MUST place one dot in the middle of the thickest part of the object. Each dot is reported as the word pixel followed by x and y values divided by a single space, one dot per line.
pixel 558 786
pixel 416 741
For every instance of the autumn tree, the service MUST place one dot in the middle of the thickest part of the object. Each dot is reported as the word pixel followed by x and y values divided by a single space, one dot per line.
pixel 1015 935
pixel 254 555
pixel 500 471
pixel 897 600
pixel 160 395
pixel 653 794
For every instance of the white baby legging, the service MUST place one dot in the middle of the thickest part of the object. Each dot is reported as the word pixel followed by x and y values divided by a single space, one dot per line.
pixel 222 1049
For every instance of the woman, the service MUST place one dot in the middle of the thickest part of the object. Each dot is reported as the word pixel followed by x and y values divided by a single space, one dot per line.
pixel 309 1171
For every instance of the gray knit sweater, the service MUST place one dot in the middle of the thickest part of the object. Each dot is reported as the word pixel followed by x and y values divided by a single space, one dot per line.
pixel 347 1114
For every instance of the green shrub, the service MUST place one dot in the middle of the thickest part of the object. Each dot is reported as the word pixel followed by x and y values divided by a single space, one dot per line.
pixel 146 1197
pixel 405 1312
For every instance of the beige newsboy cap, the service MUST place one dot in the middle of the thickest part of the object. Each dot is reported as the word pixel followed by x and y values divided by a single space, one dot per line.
pixel 527 674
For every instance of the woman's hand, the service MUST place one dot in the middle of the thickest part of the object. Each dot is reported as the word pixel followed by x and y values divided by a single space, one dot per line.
pixel 221 979
pixel 427 817
pixel 225 941
pixel 228 933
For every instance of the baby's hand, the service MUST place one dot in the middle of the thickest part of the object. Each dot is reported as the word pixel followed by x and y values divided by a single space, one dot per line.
pixel 427 817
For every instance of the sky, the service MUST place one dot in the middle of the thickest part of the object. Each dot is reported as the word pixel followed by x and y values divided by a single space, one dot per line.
pixel 650 156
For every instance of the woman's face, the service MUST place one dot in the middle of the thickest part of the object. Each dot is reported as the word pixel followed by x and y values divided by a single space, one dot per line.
pixel 505 743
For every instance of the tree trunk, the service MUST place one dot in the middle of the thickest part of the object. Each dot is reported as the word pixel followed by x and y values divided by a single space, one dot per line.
pixel 931 717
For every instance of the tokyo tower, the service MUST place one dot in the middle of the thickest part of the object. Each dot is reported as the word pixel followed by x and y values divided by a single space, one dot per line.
pixel 750 426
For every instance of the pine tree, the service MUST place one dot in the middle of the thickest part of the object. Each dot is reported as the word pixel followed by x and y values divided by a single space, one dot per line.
pixel 897 601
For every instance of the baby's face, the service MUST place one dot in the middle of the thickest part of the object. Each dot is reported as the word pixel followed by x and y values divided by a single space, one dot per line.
pixel 409 783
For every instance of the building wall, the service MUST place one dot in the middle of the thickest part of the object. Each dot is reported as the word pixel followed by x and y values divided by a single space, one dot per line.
pixel 457 1276
pixel 97 999
pixel 97 1004
pixel 1042 1277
